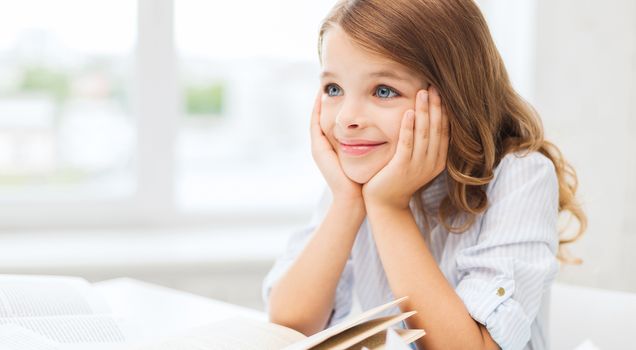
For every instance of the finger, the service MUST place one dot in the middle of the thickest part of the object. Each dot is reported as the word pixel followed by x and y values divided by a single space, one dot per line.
pixel 443 151
pixel 404 149
pixel 318 138
pixel 435 135
pixel 315 113
pixel 422 122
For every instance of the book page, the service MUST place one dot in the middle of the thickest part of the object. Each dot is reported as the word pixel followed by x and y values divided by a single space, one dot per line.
pixel 72 329
pixel 26 295
pixel 342 326
pixel 13 337
pixel 360 332
pixel 232 334
pixel 380 340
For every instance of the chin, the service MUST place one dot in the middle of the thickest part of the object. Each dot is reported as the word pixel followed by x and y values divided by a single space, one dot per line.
pixel 361 176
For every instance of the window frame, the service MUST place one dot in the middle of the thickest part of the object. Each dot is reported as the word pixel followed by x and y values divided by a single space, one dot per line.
pixel 155 109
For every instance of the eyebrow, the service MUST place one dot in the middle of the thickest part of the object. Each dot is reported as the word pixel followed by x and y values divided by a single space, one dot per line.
pixel 378 74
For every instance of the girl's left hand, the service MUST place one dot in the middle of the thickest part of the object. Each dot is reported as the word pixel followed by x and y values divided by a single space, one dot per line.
pixel 420 155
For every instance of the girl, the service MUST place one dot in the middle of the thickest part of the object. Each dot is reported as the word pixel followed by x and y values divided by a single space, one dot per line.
pixel 442 186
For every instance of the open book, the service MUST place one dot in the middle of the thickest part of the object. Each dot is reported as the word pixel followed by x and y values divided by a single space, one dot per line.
pixel 56 313
pixel 356 332
pixel 68 313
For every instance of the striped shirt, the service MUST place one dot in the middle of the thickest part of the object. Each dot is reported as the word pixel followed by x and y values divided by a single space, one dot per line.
pixel 502 267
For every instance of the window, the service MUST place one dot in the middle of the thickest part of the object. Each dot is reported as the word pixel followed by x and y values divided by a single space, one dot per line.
pixel 66 128
pixel 512 25
pixel 247 80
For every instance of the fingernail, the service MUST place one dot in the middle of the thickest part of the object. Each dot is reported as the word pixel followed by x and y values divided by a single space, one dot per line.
pixel 423 96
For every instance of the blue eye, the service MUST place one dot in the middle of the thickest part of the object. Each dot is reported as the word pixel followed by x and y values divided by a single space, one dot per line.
pixel 385 92
pixel 382 91
pixel 332 90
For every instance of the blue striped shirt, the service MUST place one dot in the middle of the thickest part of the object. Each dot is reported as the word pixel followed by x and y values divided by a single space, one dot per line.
pixel 502 267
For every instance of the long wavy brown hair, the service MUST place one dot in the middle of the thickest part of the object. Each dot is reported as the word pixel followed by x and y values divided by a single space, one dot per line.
pixel 449 43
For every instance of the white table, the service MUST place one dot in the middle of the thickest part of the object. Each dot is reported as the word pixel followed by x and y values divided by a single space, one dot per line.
pixel 577 313
pixel 605 317
pixel 161 311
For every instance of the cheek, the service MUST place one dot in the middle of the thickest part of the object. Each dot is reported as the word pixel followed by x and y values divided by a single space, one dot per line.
pixel 394 133
pixel 326 123
pixel 391 127
pixel 327 120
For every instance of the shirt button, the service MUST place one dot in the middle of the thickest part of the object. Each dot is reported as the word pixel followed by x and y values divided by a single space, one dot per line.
pixel 501 291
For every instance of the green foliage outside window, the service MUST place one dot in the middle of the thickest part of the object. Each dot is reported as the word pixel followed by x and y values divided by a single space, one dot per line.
pixel 41 79
pixel 204 100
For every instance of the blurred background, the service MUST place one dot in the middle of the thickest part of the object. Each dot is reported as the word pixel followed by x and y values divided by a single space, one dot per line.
pixel 167 140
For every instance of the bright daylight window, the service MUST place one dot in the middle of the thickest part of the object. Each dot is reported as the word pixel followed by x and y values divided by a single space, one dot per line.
pixel 65 121
pixel 248 74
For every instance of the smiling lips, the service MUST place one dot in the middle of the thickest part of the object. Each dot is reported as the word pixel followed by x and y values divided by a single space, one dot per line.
pixel 359 147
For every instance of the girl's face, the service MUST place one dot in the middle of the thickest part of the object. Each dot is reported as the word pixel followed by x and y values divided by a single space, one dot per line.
pixel 364 97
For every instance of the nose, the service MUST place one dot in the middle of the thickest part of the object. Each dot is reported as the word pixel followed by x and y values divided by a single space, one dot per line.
pixel 351 115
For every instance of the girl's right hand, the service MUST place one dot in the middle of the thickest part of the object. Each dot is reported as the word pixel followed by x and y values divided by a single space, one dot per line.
pixel 342 188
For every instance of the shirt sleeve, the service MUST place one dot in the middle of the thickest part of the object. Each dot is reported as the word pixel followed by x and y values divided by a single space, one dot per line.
pixel 344 294
pixel 503 277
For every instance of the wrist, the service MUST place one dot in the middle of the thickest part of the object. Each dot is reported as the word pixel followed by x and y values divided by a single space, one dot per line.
pixel 385 207
pixel 355 204
pixel 384 215
pixel 390 204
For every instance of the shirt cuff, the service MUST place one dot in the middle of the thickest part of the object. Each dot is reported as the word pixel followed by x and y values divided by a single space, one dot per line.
pixel 491 304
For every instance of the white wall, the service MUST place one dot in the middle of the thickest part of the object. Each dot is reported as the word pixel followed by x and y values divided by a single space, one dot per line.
pixel 585 89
